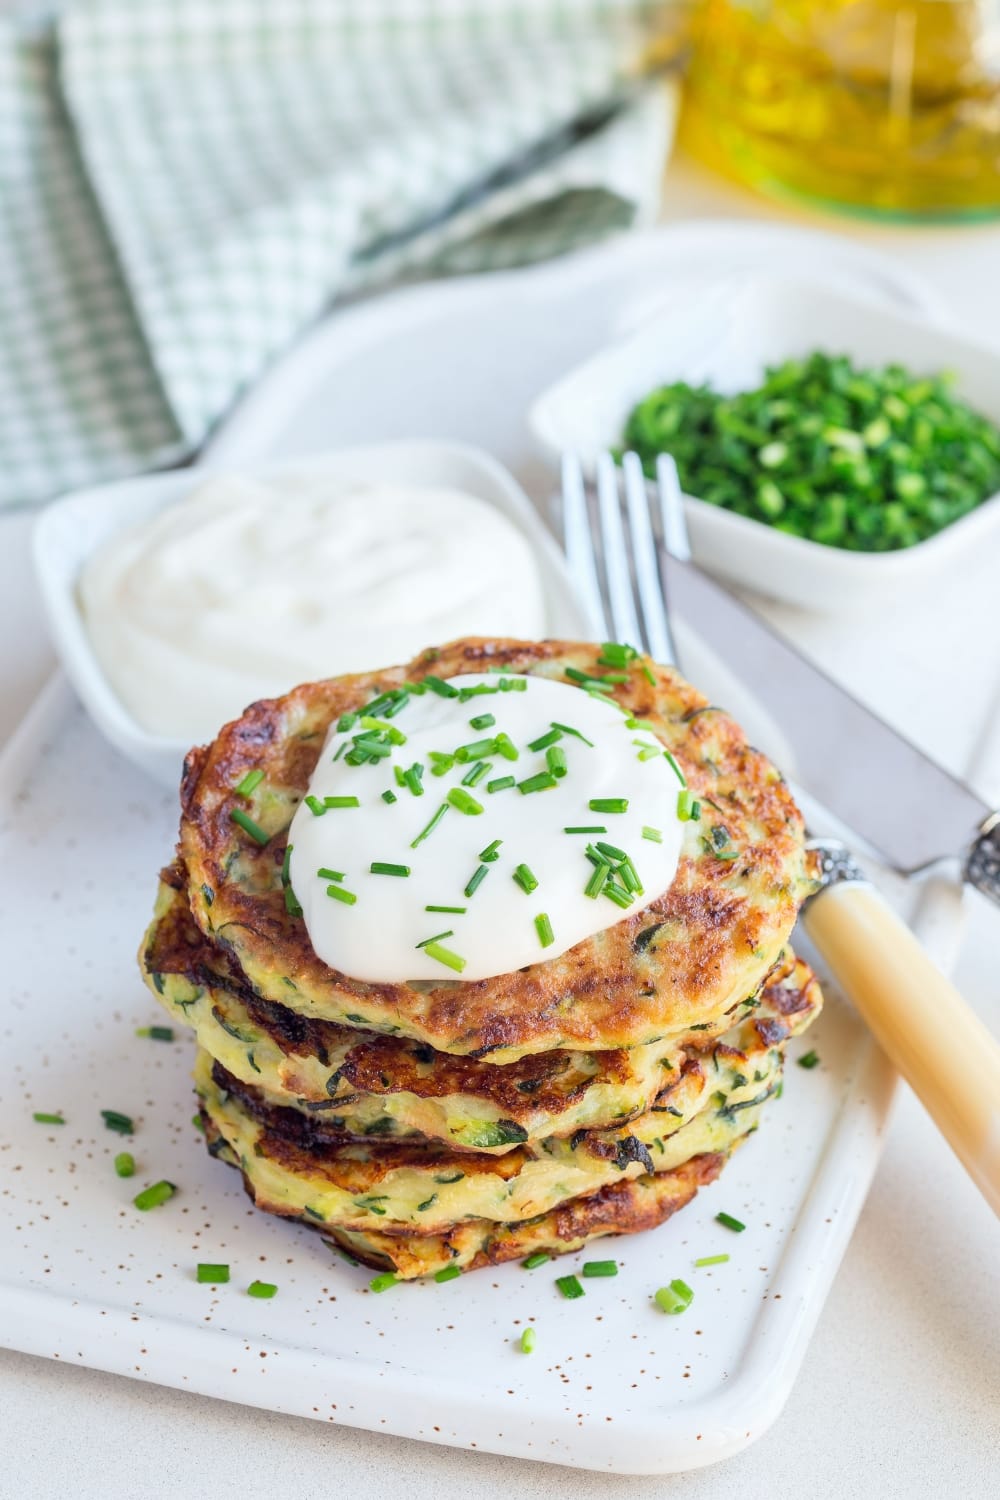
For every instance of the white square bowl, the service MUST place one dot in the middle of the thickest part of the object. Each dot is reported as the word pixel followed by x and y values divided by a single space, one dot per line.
pixel 69 532
pixel 728 339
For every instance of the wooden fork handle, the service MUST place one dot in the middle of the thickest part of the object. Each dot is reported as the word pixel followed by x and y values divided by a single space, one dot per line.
pixel 929 1033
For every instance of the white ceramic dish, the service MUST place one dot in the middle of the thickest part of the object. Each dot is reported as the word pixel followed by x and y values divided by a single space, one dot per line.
pixel 70 531
pixel 727 336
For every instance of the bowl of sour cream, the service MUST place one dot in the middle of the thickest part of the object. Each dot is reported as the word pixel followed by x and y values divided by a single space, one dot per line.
pixel 176 599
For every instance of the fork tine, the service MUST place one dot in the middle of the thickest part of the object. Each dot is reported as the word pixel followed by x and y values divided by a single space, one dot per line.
pixel 578 541
pixel 649 583
pixel 624 622
pixel 675 532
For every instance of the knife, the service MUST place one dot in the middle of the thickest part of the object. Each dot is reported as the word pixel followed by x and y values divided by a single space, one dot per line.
pixel 915 814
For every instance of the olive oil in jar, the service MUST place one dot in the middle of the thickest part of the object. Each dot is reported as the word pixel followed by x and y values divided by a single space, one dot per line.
pixel 883 108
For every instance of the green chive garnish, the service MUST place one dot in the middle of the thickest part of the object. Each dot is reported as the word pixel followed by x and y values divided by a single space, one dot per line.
pixel 608 804
pixel 125 1161
pixel 208 1271
pixel 445 956
pixel 500 784
pixel 505 746
pixel 809 1060
pixel 440 762
pixel 731 1223
pixel 617 654
pixel 387 1279
pixel 430 827
pixel 314 805
pixel 617 895
pixel 647 672
pixel 600 1268
pixel 649 752
pixel 595 884
pixel 464 801
pixel 527 1343
pixel 436 937
pixel 156 1033
pixel 439 686
pixel 568 729
pixel 600 683
pixel 412 779
pixel 388 796
pixel 586 828
pixel 491 853
pixel 458 911
pixel 378 867
pixel 292 903
pixel 249 826
pixel 525 879
pixel 675 768
pixel 448 1273
pixel 250 781
pixel 325 874
pixel 347 898
pixel 286 864
pixel 475 750
pixel 545 740
pixel 118 1122
pixel 477 879
pixel 555 759
pixel 652 834
pixel 570 1287
pixel 611 852
pixel 688 806
pixel 341 802
pixel 540 783
pixel 265 1290
pixel 152 1197
pixel 482 721
pixel 346 722
pixel 711 1260
pixel 43 1119
pixel 537 1258
pixel 476 773
pixel 675 1298
pixel 544 929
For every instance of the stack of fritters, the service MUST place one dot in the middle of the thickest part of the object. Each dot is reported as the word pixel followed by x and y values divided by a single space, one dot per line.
pixel 428 1124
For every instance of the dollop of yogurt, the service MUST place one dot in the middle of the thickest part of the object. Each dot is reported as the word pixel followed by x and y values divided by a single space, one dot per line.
pixel 553 815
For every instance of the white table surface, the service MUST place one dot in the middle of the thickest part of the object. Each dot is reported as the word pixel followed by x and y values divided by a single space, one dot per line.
pixel 899 1394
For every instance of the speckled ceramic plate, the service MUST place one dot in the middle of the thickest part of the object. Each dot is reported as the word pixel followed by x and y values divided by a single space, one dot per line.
pixel 84 1277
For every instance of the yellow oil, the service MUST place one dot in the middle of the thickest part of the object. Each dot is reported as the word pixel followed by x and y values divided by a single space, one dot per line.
pixel 888 109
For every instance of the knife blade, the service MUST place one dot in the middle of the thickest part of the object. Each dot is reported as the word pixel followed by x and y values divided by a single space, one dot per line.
pixel 869 775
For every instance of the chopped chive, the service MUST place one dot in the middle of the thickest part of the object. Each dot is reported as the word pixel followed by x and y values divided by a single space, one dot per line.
pixel 464 801
pixel 314 805
pixel 505 746
pixel 429 828
pixel 500 783
pixel 436 938
pixel 265 1290
pixel 730 1223
pixel 43 1119
pixel 346 722
pixel 458 911
pixel 440 762
pixel 125 1161
pixel 608 804
pixel 387 1279
pixel 482 721
pixel 711 1260
pixel 339 750
pixel 249 826
pixel 448 1273
pixel 652 834
pixel 525 879
pixel 388 796
pixel 544 929
pixel 491 853
pixel 212 1272
pixel 413 779
pixel 555 759
pixel 595 884
pixel 379 867
pixel 286 864
pixel 600 1268
pixel 611 852
pixel 537 1258
pixel 397 771
pixel 809 1060
pixel 545 740
pixel 325 874
pixel 568 729
pixel 153 1196
pixel 570 1287
pixel 688 806
pixel 527 1342
pixel 647 672
pixel 250 781
pixel 575 675
pixel 347 898
pixel 394 735
pixel 629 878
pixel 475 750
pixel 586 828
pixel 341 802
pixel 675 1298
pixel 542 782
pixel 118 1122
pixel 619 897
pixel 156 1033
pixel 617 654
pixel 649 752
pixel 197 1122
pixel 445 956
pixel 477 879
pixel 675 768
pixel 439 686
pixel 476 773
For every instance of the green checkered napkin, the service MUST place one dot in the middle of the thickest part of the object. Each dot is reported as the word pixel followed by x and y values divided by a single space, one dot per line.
pixel 186 184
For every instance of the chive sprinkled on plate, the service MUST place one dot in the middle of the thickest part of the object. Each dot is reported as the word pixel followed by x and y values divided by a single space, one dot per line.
pixel 436 937
pixel 448 1273
pixel 458 911
pixel 809 1060
pixel 654 835
pixel 444 956
pixel 600 1268
pixel 325 874
pixel 505 746
pixel 500 783
pixel 568 729
pixel 675 767
pixel 598 878
pixel 525 879
pixel 338 893
pixel 248 825
pixel 340 802
pixel 389 796
pixel 213 1272
pixel 475 750
pixel 464 801
pixel 380 867
pixel 688 806
pixel 542 782
pixel 385 1279
pixel 570 1287
pixel 675 1298
pixel 154 1196
pixel 544 929
pixel 477 879
pixel 555 759
pixel 527 1340
pixel 125 1161
pixel 482 721
pixel 429 828
pixel 314 805
pixel 491 853
pixel 264 1290
pixel 439 686
pixel 156 1033
pixel 608 804
pixel 250 782
pixel 537 1258
pixel 115 1120
pixel 41 1118
pixel 711 1260
pixel 475 774
pixel 730 1223
pixel 545 740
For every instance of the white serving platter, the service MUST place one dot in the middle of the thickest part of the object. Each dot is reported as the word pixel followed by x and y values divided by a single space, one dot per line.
pixel 613 1385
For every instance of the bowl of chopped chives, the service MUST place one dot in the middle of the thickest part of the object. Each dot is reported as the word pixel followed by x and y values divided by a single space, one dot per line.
pixel 830 449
